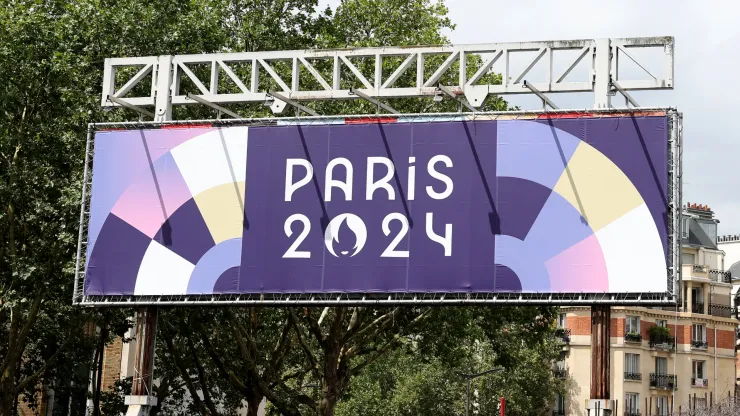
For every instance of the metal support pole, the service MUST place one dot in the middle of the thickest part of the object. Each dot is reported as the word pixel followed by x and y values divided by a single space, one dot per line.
pixel 163 99
pixel 602 69
pixel 142 399
pixel 600 358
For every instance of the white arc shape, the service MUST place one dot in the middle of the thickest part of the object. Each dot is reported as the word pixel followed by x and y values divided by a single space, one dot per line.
pixel 355 224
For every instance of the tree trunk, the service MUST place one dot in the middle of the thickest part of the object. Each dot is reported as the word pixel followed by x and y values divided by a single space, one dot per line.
pixel 326 407
pixel 253 404
pixel 99 372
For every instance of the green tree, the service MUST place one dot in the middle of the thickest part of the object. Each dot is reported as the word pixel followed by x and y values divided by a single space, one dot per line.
pixel 424 376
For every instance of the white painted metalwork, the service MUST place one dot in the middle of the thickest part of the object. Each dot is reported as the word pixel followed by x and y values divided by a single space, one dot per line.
pixel 334 74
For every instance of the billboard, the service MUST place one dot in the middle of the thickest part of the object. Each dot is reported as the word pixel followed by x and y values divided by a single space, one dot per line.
pixel 576 205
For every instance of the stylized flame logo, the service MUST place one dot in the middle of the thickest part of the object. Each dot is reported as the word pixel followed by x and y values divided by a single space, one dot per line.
pixel 355 224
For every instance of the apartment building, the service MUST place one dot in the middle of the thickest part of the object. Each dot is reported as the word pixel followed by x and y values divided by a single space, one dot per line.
pixel 730 245
pixel 660 357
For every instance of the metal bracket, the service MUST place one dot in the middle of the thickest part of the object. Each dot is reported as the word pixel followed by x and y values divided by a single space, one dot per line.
pixel 214 106
pixel 130 106
pixel 456 97
pixel 286 100
pixel 627 97
pixel 543 97
pixel 370 99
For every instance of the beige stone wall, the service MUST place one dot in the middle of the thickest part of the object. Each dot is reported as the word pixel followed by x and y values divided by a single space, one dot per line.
pixel 720 363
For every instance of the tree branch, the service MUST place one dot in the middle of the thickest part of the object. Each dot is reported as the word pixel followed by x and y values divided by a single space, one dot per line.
pixel 314 327
pixel 306 349
pixel 227 373
pixel 204 387
pixel 32 378
pixel 18 340
pixel 181 368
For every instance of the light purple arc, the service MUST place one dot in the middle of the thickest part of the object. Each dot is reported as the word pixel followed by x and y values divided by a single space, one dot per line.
pixel 213 264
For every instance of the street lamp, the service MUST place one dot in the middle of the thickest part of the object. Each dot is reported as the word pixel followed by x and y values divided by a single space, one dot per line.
pixel 469 377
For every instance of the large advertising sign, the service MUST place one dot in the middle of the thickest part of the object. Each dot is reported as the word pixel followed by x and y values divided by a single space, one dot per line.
pixel 366 208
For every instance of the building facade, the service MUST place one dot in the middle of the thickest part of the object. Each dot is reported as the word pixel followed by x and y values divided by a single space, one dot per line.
pixel 661 358
pixel 730 245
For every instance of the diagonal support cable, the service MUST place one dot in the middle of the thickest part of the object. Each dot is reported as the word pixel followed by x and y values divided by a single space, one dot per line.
pixel 212 105
pixel 625 94
pixel 378 103
pixel 539 93
pixel 456 97
pixel 130 106
pixel 293 103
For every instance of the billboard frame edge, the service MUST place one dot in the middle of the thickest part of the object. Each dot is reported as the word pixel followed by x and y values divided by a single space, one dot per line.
pixel 671 297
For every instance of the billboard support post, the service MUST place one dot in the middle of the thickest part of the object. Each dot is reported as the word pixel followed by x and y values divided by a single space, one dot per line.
pixel 600 358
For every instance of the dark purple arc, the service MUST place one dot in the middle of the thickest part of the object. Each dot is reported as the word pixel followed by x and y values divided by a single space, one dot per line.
pixel 518 204
pixel 185 232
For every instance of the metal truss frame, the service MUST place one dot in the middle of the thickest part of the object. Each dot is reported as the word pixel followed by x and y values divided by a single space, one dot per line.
pixel 668 298
pixel 165 73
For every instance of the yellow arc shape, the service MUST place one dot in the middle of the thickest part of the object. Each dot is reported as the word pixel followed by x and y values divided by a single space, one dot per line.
pixel 222 208
pixel 596 187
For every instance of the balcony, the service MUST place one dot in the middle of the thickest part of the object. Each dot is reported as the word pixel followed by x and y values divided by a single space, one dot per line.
pixel 632 337
pixel 632 376
pixel 560 373
pixel 720 276
pixel 723 311
pixel 662 342
pixel 699 382
pixel 697 307
pixel 698 344
pixel 663 381
pixel 563 334
pixel 632 413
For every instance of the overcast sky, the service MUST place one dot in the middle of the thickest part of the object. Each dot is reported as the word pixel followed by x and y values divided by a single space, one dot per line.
pixel 707 68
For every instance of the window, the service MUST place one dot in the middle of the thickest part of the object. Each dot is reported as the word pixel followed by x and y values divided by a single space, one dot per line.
pixel 698 333
pixel 561 320
pixel 687 258
pixel 633 324
pixel 685 228
pixel 698 370
pixel 697 295
pixel 661 406
pixel 632 367
pixel 661 365
pixel 709 228
pixel 661 323
pixel 559 405
pixel 631 404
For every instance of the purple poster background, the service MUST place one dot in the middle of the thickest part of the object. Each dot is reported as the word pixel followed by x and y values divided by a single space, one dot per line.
pixel 569 205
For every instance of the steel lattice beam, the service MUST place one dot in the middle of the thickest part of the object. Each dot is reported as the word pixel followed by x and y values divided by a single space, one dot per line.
pixel 311 75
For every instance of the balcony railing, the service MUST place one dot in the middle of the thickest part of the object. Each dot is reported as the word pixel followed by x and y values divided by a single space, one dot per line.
pixel 662 342
pixel 561 373
pixel 632 376
pixel 663 381
pixel 563 334
pixel 632 413
pixel 699 382
pixel 720 276
pixel 698 268
pixel 632 337
pixel 558 412
pixel 723 311
pixel 699 344
pixel 697 307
